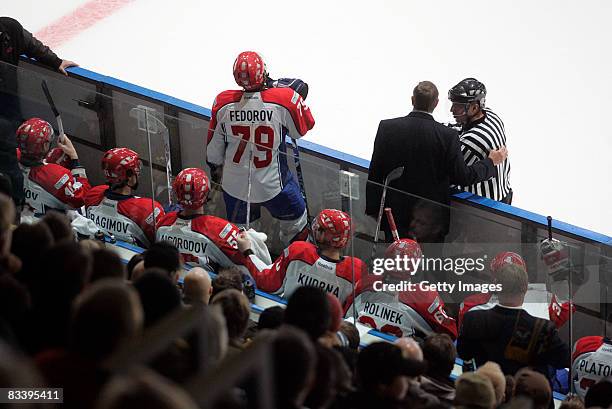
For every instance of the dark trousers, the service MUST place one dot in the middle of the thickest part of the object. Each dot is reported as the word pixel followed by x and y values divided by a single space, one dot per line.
pixel 508 198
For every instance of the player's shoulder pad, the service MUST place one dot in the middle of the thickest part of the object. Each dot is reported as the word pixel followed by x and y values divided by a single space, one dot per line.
pixel 586 344
pixel 226 97
pixel 286 97
pixel 208 222
pixel 301 249
pixel 168 219
pixel 95 195
pixel 143 202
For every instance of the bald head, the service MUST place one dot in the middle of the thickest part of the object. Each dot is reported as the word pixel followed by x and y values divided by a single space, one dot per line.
pixel 197 286
pixel 410 348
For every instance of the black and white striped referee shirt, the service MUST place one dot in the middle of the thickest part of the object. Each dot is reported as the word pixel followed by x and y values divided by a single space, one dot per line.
pixel 486 135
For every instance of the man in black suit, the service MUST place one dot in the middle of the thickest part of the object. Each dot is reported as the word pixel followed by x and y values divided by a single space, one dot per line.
pixel 431 155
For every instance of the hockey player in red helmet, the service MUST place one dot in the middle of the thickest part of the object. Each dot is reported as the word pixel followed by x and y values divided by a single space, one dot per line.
pixel 204 240
pixel 49 186
pixel 246 145
pixel 114 207
pixel 558 309
pixel 412 312
pixel 306 264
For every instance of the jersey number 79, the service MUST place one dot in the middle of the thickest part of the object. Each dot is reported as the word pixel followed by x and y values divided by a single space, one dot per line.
pixel 264 142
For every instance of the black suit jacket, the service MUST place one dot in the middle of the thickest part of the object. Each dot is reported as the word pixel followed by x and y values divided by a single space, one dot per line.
pixel 431 155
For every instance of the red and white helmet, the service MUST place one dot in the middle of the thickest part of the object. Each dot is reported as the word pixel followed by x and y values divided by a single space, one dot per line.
pixel 119 164
pixel 332 227
pixel 404 247
pixel 58 156
pixel 34 138
pixel 250 71
pixel 506 257
pixel 191 186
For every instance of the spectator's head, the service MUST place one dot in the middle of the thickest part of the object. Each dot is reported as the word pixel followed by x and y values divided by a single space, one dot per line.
pixel 425 96
pixel 7 217
pixel 136 260
pixel 191 187
pixel 271 318
pixel 250 71
pixel 331 229
pixel 17 372
pixel 143 388
pixel 197 286
pixel 533 385
pixel 158 295
pixel 6 185
pixel 493 372
pixel 468 98
pixel 30 241
pixel 121 167
pixel 572 402
pixel 236 309
pixel 164 255
pixel 294 366
pixel 599 394
pixel 513 281
pixel 383 370
pixel 59 225
pixel 324 388
pixel 67 268
pixel 308 310
pixel 509 388
pixel 107 264
pixel 34 138
pixel 349 335
pixel 226 279
pixel 14 301
pixel 473 391
pixel 410 348
pixel 106 314
pixel 439 352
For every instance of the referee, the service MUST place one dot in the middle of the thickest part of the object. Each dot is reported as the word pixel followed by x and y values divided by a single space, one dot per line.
pixel 481 132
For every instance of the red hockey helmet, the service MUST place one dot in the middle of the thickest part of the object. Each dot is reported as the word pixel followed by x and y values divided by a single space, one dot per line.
pixel 404 247
pixel 506 257
pixel 58 156
pixel 119 163
pixel 250 71
pixel 34 138
pixel 332 227
pixel 191 187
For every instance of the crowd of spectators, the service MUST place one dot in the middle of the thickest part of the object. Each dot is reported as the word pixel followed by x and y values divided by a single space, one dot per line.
pixel 68 312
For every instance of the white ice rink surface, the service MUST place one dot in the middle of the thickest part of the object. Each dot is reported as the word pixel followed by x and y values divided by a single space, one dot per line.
pixel 546 65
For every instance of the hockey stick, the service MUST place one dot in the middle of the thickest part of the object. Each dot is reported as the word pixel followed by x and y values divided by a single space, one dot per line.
pixel 248 215
pixel 571 312
pixel 393 175
pixel 300 178
pixel 392 226
pixel 58 118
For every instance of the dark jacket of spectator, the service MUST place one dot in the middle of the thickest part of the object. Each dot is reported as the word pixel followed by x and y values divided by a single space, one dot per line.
pixel 431 155
pixel 512 338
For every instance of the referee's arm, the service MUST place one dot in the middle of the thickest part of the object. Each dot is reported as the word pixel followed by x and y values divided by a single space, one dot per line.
pixel 462 174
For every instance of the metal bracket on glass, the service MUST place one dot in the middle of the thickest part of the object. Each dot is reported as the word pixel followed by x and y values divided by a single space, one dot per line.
pixel 349 185
pixel 147 116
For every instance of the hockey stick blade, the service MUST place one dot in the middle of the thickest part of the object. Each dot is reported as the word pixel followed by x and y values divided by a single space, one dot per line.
pixel 394 174
pixel 58 118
